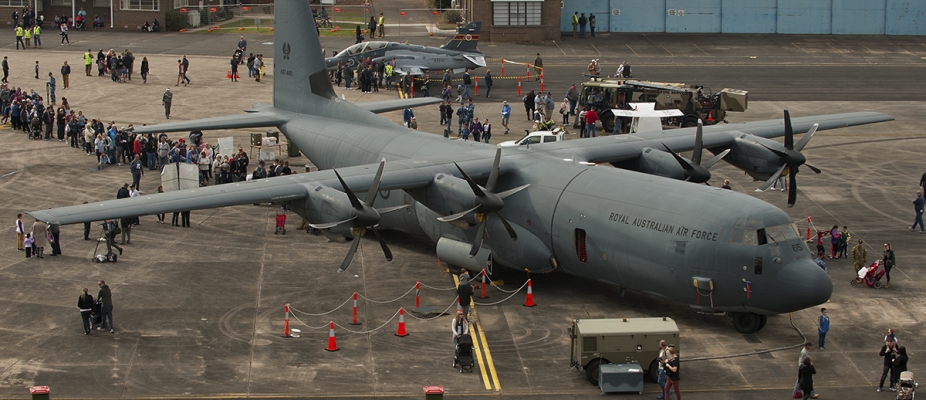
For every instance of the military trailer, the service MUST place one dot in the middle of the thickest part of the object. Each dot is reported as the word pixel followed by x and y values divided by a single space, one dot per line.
pixel 620 341
pixel 696 102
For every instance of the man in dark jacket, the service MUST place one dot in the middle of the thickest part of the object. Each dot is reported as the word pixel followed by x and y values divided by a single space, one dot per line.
pixel 123 192
pixel 888 351
pixel 105 298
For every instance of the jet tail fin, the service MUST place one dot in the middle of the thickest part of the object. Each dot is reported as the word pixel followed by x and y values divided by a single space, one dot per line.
pixel 300 76
pixel 466 39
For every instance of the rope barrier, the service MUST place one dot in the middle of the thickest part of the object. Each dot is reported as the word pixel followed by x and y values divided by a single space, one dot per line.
pixel 434 288
pixel 503 300
pixel 390 301
pixel 452 304
pixel 324 313
pixel 325 326
pixel 491 283
pixel 371 330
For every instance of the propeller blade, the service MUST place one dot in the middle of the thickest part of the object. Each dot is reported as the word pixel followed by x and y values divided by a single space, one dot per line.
pixel 699 144
pixel 382 243
pixel 681 161
pixel 332 224
pixel 710 163
pixel 771 181
pixel 457 215
pixel 804 140
pixel 350 253
pixel 778 153
pixel 374 188
pixel 354 201
pixel 792 187
pixel 386 210
pixel 789 132
pixel 510 192
pixel 477 243
pixel 472 184
pixel 493 174
pixel 511 232
pixel 812 168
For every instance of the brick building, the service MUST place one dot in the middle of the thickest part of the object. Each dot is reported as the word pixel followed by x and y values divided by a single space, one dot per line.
pixel 517 20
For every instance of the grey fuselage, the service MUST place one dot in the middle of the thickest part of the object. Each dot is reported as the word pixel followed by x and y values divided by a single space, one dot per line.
pixel 641 232
pixel 407 55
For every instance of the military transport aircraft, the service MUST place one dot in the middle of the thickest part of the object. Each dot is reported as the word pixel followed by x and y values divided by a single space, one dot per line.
pixel 457 55
pixel 532 209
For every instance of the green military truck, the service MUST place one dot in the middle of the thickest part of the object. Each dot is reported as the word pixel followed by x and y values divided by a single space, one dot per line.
pixel 696 102
pixel 620 341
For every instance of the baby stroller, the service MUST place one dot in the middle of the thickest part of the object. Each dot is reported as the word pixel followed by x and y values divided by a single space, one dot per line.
pixel 281 222
pixel 906 386
pixel 239 55
pixel 871 275
pixel 35 128
pixel 463 354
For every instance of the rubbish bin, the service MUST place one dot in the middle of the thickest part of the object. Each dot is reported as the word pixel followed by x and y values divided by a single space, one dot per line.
pixel 433 392
pixel 292 150
pixel 39 392
pixel 256 138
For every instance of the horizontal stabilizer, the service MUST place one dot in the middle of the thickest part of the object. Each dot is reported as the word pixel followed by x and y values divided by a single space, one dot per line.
pixel 392 105
pixel 251 120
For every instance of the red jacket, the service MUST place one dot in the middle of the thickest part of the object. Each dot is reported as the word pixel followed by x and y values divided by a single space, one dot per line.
pixel 591 117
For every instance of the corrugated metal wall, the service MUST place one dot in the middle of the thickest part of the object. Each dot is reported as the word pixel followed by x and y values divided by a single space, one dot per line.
pixel 854 17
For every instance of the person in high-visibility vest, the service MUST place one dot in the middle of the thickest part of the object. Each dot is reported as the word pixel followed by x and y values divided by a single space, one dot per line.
pixel 382 25
pixel 575 24
pixel 27 36
pixel 36 31
pixel 389 71
pixel 19 37
pixel 88 61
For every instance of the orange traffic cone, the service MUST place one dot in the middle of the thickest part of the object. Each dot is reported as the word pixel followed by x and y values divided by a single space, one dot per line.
pixel 530 295
pixel 710 118
pixel 332 342
pixel 286 322
pixel 237 76
pixel 228 74
pixel 401 331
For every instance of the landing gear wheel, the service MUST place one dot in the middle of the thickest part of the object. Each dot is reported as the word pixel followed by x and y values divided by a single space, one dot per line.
pixel 592 370
pixel 653 371
pixel 689 122
pixel 877 283
pixel 854 282
pixel 763 319
pixel 746 323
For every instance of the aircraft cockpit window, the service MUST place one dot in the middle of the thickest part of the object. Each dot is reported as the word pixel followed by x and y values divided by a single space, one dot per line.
pixel 760 237
pixel 790 231
pixel 774 234
pixel 356 49
pixel 376 45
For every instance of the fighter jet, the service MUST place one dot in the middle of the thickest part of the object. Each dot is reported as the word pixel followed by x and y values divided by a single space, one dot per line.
pixel 539 209
pixel 457 55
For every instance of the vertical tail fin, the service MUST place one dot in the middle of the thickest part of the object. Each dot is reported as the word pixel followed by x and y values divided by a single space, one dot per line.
pixel 299 67
pixel 466 39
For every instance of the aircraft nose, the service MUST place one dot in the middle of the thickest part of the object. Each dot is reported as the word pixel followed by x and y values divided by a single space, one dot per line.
pixel 803 284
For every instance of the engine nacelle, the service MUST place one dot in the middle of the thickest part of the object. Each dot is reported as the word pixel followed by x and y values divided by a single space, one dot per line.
pixel 655 162
pixel 326 204
pixel 748 154
pixel 447 195
pixel 456 253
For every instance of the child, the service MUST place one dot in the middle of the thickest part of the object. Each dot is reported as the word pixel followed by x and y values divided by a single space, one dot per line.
pixel 36 69
pixel 27 242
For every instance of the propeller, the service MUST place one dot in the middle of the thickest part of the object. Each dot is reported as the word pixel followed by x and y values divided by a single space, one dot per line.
pixel 791 158
pixel 487 202
pixel 363 217
pixel 695 171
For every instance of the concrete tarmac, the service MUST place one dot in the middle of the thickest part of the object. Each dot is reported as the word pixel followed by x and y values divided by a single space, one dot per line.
pixel 199 311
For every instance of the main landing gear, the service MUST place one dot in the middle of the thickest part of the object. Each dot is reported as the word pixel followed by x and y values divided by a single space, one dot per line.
pixel 748 323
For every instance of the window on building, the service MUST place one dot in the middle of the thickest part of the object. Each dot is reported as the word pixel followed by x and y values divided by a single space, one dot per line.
pixel 58 2
pixel 17 3
pixel 516 13
pixel 140 5
pixel 100 3
pixel 182 3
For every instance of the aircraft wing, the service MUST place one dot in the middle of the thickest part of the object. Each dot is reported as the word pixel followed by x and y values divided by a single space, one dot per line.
pixel 627 147
pixel 392 105
pixel 478 60
pixel 251 120
pixel 647 113
pixel 408 69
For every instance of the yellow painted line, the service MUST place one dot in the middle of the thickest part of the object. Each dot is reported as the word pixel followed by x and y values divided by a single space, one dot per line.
pixel 482 368
pixel 560 48
pixel 699 48
pixel 596 49
pixel 667 50
pixel 491 364
pixel 631 49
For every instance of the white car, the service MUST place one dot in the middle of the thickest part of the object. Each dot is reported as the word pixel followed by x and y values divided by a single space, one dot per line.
pixel 538 137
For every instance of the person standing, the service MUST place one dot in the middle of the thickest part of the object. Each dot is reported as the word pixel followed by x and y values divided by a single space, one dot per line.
pixel 888 351
pixel 805 376
pixel 36 35
pixel 859 258
pixel 488 81
pixel 5 65
pixel 20 232
pixel 538 65
pixel 234 69
pixel 88 61
pixel 27 36
pixel 672 374
pixel 40 237
pixel 823 328
pixel 467 82
pixel 575 23
pixel 66 74
pixel 144 70
pixel 137 171
pixel 166 99
pixel 888 261
pixel 465 293
pixel 382 26
pixel 529 104
pixel 185 63
pixel 918 211
pixel 105 298
pixel 54 231
pixel 591 118
pixel 358 35
pixel 663 357
pixel 805 354
pixel 899 364
pixel 85 305
pixel 459 327
pixel 591 24
pixel 582 21
pixel 506 114
pixel 19 37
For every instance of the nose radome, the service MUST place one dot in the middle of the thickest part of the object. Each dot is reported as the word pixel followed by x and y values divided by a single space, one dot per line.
pixel 803 284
